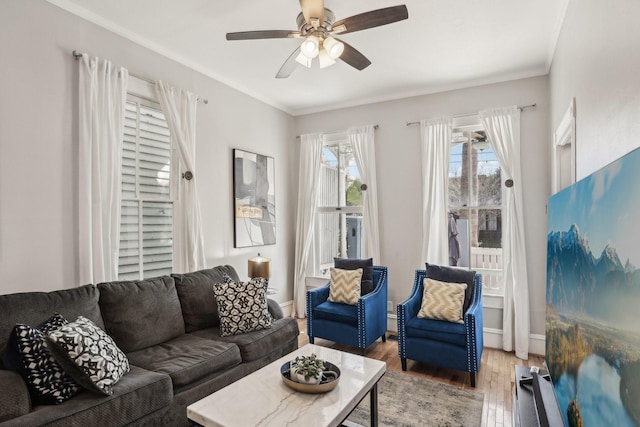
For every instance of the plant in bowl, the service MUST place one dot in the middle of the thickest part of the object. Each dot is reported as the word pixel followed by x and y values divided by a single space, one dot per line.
pixel 308 369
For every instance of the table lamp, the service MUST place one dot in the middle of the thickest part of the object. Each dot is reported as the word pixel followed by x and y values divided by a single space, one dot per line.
pixel 259 266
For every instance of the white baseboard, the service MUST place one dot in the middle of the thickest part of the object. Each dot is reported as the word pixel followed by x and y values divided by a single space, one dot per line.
pixel 492 337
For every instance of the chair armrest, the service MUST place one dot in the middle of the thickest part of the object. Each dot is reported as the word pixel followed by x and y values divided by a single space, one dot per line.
pixel 15 400
pixel 411 306
pixel 317 296
pixel 473 324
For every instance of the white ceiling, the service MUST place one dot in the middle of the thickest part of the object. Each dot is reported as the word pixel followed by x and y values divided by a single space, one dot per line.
pixel 444 45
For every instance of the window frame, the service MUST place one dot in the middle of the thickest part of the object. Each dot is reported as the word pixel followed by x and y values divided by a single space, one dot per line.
pixel 143 95
pixel 322 269
pixel 471 124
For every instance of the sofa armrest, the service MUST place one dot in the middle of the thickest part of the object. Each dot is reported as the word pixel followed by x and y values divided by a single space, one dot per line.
pixel 15 400
pixel 275 309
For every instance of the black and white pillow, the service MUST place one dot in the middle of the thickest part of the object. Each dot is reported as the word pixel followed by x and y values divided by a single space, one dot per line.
pixel 89 355
pixel 242 306
pixel 258 280
pixel 27 353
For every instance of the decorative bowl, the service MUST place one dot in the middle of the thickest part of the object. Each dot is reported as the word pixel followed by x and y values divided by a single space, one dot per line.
pixel 330 379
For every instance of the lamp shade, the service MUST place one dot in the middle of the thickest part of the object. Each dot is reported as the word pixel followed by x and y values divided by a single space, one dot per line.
pixel 259 266
pixel 333 47
pixel 310 47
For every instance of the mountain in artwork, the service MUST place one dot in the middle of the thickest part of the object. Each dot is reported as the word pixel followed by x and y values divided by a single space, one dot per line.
pixel 597 287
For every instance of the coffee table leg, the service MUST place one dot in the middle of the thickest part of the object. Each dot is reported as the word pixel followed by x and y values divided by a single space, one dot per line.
pixel 373 394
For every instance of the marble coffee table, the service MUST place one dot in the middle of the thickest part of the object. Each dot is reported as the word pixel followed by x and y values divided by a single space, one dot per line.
pixel 262 399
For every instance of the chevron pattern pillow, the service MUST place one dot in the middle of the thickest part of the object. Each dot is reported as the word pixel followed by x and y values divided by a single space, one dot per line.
pixel 89 355
pixel 242 306
pixel 442 301
pixel 27 353
pixel 345 285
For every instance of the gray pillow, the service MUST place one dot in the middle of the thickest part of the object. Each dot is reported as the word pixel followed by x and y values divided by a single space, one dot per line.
pixel 367 271
pixel 198 303
pixel 454 275
pixel 142 313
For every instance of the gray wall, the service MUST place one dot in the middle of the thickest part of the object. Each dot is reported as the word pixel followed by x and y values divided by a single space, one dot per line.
pixel 398 168
pixel 39 137
pixel 597 61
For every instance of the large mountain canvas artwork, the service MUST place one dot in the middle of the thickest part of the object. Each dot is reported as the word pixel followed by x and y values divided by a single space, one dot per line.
pixel 593 296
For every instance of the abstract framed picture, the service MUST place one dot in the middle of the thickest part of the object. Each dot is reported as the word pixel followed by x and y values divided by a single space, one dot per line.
pixel 254 199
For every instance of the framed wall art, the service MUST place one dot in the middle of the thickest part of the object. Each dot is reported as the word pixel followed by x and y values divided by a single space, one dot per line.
pixel 254 199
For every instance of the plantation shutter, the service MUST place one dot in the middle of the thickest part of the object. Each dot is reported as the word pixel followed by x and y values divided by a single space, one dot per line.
pixel 146 229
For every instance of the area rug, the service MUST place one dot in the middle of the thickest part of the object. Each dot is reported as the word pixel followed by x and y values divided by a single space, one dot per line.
pixel 408 400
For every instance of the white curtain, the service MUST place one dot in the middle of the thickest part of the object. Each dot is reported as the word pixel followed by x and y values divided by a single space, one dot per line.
pixel 503 129
pixel 179 107
pixel 436 148
pixel 102 97
pixel 309 176
pixel 363 142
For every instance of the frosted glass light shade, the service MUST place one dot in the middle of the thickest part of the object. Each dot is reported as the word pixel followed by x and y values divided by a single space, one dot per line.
pixel 333 47
pixel 324 59
pixel 303 60
pixel 310 47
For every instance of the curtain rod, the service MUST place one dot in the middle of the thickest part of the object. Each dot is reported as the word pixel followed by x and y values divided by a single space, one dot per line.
pixel 524 107
pixel 338 131
pixel 77 56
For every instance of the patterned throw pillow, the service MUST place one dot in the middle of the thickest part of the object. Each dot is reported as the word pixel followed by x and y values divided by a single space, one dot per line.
pixel 345 286
pixel 89 355
pixel 442 301
pixel 242 306
pixel 27 353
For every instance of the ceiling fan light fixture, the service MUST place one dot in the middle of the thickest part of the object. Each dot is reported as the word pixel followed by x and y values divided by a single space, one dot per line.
pixel 303 60
pixel 333 47
pixel 310 47
pixel 325 59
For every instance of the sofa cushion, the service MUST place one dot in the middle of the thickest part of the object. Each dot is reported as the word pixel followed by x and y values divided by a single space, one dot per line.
pixel 16 403
pixel 89 355
pixel 242 306
pixel 139 314
pixel 187 358
pixel 366 265
pixel 436 330
pixel 454 275
pixel 27 353
pixel 343 313
pixel 198 304
pixel 257 344
pixel 137 394
pixel 33 308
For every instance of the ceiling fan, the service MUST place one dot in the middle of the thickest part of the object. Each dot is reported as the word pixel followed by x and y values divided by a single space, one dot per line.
pixel 317 26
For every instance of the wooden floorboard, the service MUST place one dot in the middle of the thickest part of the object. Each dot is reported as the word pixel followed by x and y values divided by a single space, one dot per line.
pixel 495 378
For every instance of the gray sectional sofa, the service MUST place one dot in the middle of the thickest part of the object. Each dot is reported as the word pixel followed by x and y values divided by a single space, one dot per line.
pixel 169 329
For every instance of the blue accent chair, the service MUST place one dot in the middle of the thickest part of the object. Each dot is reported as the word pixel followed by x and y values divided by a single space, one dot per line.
pixel 439 342
pixel 356 325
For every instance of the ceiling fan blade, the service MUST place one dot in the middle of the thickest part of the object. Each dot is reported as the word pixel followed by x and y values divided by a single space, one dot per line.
pixel 265 34
pixel 289 65
pixel 354 58
pixel 312 9
pixel 371 19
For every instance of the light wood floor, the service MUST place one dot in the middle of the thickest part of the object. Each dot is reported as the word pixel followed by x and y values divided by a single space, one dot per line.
pixel 495 378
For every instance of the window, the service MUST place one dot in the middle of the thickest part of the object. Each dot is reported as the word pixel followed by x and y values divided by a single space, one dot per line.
pixel 148 193
pixel 338 229
pixel 475 206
